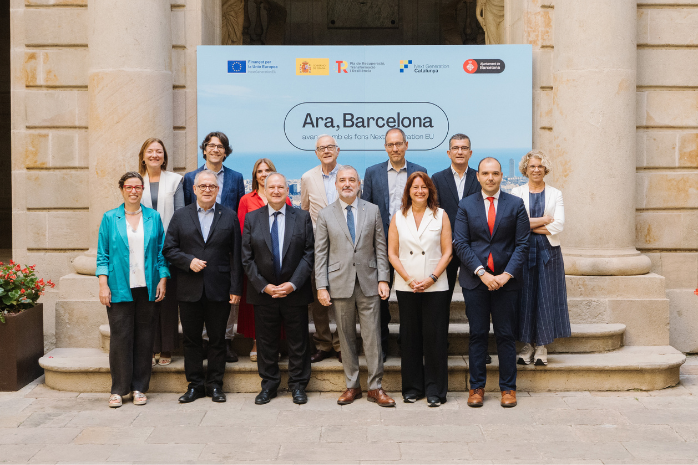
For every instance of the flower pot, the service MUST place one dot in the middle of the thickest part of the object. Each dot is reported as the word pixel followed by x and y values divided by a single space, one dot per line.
pixel 21 346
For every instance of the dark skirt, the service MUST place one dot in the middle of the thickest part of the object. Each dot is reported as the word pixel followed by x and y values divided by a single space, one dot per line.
pixel 543 315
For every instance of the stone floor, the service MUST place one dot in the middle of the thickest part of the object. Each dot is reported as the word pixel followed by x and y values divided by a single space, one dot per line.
pixel 39 425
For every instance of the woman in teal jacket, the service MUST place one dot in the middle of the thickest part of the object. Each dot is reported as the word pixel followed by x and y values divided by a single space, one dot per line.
pixel 132 276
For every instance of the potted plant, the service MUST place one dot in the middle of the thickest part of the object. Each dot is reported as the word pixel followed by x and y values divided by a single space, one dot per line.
pixel 21 325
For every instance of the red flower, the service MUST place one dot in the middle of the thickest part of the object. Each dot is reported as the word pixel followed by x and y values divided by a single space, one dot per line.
pixel 25 271
pixel 12 262
pixel 21 291
pixel 18 267
pixel 41 281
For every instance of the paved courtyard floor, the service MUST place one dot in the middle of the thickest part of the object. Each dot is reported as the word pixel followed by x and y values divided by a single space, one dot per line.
pixel 39 425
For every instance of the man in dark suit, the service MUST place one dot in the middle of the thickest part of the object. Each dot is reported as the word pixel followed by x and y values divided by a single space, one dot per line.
pixel 277 254
pixel 490 237
pixel 384 185
pixel 231 188
pixel 203 243
pixel 454 184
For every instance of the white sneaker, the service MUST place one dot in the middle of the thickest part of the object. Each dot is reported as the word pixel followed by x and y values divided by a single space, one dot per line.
pixel 541 356
pixel 526 355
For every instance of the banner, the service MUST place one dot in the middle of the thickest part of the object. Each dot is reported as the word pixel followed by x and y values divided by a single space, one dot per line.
pixel 274 101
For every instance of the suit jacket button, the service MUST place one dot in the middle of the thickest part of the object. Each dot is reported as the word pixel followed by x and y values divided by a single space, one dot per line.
pixel 353 264
pixel 410 252
pixel 422 252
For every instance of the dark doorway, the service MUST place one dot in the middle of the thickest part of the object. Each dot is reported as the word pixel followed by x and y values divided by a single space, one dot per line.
pixel 5 133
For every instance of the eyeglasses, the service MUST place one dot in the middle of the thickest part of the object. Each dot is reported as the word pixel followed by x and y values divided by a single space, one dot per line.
pixel 538 167
pixel 464 148
pixel 397 145
pixel 207 187
pixel 326 147
pixel 214 146
pixel 133 188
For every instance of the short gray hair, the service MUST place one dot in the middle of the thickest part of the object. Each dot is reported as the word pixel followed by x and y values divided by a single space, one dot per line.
pixel 404 137
pixel 459 136
pixel 275 174
pixel 205 172
pixel 346 168
pixel 325 135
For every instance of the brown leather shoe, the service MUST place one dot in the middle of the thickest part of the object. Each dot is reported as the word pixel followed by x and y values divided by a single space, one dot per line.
pixel 508 398
pixel 476 397
pixel 319 356
pixel 339 356
pixel 349 396
pixel 380 397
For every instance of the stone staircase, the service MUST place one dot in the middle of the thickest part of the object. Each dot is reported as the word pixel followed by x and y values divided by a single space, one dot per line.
pixel 597 357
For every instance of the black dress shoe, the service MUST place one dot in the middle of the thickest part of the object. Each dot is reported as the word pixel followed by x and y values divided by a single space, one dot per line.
pixel 216 394
pixel 488 359
pixel 299 396
pixel 339 356
pixel 385 356
pixel 265 397
pixel 411 398
pixel 433 401
pixel 319 356
pixel 230 355
pixel 191 395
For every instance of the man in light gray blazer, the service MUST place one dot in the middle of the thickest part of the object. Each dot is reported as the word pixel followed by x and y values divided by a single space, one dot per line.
pixel 351 269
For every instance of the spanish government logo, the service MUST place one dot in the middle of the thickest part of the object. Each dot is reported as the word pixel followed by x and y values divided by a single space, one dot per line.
pixel 237 66
pixel 312 66
pixel 404 64
pixel 342 66
pixel 470 66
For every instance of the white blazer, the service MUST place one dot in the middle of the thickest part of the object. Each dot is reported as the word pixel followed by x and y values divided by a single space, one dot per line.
pixel 554 208
pixel 166 191
pixel 419 249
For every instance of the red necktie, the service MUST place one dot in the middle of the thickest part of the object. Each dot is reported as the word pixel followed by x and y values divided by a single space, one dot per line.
pixel 490 222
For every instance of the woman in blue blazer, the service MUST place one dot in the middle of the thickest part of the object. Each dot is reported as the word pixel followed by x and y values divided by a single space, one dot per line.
pixel 132 275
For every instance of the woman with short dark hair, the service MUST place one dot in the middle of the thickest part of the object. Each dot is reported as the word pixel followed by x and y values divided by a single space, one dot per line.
pixel 420 248
pixel 132 274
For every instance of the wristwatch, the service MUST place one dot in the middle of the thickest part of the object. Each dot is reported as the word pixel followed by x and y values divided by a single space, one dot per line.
pixel 481 272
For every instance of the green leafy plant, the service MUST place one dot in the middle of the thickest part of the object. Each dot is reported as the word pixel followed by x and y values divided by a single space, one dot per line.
pixel 19 288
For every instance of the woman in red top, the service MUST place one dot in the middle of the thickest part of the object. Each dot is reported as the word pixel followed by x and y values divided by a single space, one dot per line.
pixel 248 203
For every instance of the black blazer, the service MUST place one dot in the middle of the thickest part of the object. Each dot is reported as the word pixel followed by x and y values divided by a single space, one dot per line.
pixel 297 257
pixel 508 243
pixel 221 252
pixel 448 191
pixel 377 191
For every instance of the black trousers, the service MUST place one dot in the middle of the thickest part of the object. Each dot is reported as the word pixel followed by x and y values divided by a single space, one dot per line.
pixel 167 319
pixel 501 304
pixel 424 321
pixel 452 273
pixel 385 316
pixel 193 316
pixel 268 320
pixel 132 326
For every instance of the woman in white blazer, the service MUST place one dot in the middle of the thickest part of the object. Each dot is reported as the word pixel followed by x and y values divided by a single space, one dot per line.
pixel 420 248
pixel 543 316
pixel 162 191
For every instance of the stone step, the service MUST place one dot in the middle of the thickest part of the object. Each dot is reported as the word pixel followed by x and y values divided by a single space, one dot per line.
pixel 586 338
pixel 628 368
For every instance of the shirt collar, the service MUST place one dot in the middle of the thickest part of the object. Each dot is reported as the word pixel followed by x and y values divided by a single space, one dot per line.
pixel 200 209
pixel 354 204
pixel 404 167
pixel 272 211
pixel 496 196
pixel 455 173
pixel 217 172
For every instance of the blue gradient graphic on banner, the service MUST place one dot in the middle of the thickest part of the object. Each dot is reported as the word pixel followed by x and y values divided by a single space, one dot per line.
pixel 271 107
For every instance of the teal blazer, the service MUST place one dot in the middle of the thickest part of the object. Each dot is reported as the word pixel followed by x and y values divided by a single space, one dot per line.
pixel 113 255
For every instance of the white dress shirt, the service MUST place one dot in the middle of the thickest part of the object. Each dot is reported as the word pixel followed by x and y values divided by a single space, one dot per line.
pixel 354 210
pixel 460 182
pixel 396 187
pixel 136 254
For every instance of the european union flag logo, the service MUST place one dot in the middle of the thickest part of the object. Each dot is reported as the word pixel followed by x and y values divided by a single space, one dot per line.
pixel 237 66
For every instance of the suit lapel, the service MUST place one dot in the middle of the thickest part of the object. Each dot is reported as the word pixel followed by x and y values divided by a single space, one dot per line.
pixel 121 225
pixel 264 225
pixel 451 182
pixel 320 187
pixel 548 201
pixel 470 178
pixel 426 219
pixel 501 207
pixel 361 220
pixel 147 231
pixel 339 216
pixel 290 217
pixel 384 185
pixel 216 216
pixel 483 211
pixel 195 218
pixel 224 192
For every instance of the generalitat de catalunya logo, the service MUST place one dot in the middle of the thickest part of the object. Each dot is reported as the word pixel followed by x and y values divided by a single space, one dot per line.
pixel 404 64
pixel 237 66
pixel 312 66
pixel 342 66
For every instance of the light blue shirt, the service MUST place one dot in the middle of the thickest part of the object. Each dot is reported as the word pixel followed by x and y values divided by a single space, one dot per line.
pixel 219 176
pixel 281 229
pixel 396 186
pixel 330 180
pixel 460 182
pixel 206 219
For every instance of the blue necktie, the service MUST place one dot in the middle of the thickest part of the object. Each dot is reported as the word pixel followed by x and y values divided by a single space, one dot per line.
pixel 275 246
pixel 350 223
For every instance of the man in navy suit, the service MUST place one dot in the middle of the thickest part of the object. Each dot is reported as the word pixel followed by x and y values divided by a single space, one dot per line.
pixel 490 237
pixel 384 185
pixel 454 184
pixel 216 149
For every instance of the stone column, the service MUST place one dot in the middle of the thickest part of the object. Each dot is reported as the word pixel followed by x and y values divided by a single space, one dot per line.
pixel 594 75
pixel 130 93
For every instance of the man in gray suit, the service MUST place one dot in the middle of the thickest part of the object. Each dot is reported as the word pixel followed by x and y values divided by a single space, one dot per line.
pixel 351 268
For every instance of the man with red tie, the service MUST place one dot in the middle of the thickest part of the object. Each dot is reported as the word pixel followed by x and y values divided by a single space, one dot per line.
pixel 490 237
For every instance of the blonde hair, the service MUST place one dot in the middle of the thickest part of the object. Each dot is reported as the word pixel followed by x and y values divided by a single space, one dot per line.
pixel 539 154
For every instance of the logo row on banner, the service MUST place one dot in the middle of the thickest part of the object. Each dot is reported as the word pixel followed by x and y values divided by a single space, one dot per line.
pixel 323 66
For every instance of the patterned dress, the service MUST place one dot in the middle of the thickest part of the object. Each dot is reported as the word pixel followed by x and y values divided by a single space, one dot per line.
pixel 543 315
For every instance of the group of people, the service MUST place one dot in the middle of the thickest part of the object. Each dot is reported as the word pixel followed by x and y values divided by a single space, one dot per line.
pixel 200 244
